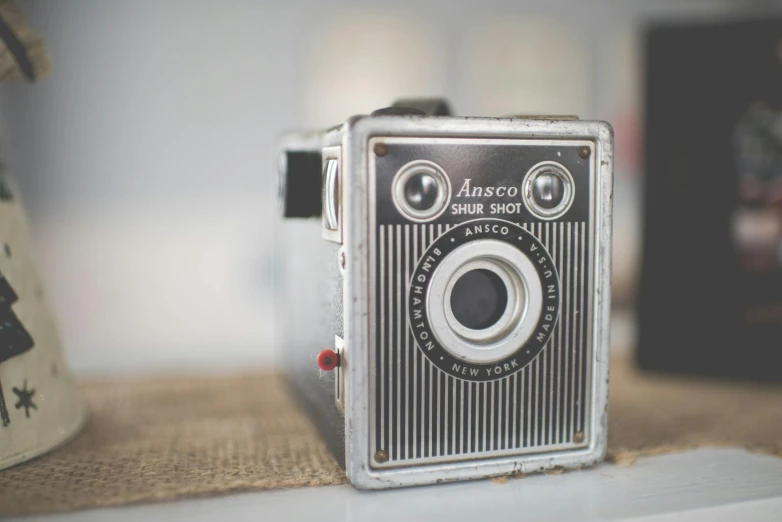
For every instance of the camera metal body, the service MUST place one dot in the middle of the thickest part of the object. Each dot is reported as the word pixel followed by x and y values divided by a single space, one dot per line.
pixel 458 272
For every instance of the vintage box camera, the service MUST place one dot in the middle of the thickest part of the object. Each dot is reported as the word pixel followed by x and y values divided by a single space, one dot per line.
pixel 455 277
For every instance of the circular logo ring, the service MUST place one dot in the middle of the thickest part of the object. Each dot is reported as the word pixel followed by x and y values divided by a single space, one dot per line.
pixel 451 350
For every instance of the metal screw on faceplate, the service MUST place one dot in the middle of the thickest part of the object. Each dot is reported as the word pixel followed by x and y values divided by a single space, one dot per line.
pixel 380 149
pixel 584 152
pixel 578 437
pixel 381 456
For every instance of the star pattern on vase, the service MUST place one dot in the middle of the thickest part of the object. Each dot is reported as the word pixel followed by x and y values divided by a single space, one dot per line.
pixel 25 399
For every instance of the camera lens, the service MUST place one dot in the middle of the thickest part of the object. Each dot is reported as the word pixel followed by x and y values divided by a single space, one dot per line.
pixel 421 191
pixel 479 299
pixel 548 190
pixel 484 300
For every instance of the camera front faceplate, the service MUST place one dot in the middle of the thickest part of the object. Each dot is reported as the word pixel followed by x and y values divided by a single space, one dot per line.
pixel 437 397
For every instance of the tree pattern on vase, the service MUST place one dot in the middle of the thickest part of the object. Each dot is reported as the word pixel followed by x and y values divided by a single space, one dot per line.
pixel 14 339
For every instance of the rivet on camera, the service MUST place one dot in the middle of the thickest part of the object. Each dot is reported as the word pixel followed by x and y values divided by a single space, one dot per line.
pixel 381 456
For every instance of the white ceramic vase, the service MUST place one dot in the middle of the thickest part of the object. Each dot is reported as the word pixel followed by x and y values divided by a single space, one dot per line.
pixel 39 404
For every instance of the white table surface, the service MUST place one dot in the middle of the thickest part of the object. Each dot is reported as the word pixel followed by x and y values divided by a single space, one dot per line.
pixel 702 485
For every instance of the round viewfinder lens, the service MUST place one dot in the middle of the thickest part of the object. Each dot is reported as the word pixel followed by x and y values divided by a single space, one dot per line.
pixel 421 191
pixel 548 190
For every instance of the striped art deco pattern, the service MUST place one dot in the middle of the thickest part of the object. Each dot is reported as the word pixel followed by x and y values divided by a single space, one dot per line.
pixel 422 414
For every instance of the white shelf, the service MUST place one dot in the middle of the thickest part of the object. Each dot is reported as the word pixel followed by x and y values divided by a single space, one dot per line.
pixel 703 485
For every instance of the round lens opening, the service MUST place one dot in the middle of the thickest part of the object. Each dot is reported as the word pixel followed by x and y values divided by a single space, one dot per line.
pixel 479 299
pixel 421 191
pixel 548 189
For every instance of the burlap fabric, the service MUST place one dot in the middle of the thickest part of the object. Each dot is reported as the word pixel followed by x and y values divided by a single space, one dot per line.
pixel 173 438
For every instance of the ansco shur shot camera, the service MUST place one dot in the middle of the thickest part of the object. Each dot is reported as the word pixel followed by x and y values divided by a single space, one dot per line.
pixel 443 314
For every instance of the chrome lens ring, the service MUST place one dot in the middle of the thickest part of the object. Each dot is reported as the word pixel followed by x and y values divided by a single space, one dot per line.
pixel 400 199
pixel 524 305
pixel 549 168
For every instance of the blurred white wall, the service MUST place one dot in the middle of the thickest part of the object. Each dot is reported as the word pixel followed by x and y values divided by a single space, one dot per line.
pixel 144 157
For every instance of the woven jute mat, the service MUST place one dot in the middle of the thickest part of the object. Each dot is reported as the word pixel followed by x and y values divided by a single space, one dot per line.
pixel 173 438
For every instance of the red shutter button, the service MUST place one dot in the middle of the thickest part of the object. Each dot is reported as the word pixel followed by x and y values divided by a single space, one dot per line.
pixel 327 360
